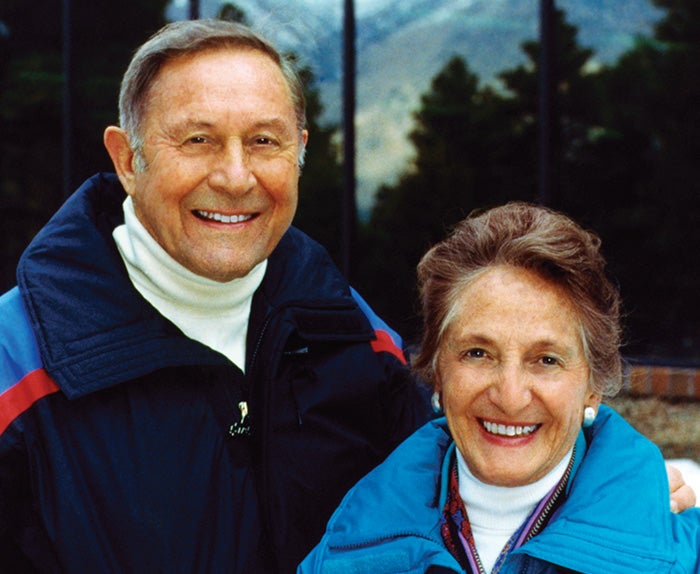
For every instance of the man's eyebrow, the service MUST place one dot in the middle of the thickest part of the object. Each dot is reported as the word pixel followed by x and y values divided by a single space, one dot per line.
pixel 277 124
pixel 272 123
pixel 188 124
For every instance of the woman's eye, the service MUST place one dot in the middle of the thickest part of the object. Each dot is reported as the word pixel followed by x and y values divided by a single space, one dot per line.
pixel 475 354
pixel 549 361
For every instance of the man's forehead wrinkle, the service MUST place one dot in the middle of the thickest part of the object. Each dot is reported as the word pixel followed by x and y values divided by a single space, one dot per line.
pixel 201 120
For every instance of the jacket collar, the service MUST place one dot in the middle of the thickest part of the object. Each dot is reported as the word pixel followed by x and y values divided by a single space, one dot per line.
pixel 603 525
pixel 94 330
pixel 400 497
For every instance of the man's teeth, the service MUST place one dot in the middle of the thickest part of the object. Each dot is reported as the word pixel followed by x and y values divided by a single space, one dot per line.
pixel 509 430
pixel 223 218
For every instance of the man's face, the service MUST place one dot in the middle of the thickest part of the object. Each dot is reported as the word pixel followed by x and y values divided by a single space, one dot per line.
pixel 221 147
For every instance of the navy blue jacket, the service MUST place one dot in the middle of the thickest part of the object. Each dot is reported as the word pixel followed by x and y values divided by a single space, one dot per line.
pixel 115 450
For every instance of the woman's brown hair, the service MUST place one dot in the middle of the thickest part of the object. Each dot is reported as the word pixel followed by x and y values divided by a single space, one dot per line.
pixel 540 240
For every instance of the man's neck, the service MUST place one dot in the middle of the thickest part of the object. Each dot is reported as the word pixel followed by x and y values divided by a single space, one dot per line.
pixel 208 311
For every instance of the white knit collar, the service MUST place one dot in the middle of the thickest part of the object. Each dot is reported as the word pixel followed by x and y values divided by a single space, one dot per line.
pixel 209 311
pixel 155 271
pixel 500 507
pixel 496 512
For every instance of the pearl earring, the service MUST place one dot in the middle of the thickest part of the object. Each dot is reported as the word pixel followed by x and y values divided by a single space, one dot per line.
pixel 589 414
pixel 435 402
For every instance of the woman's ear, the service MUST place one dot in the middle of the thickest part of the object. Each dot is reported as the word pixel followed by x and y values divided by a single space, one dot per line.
pixel 122 155
pixel 590 409
pixel 593 400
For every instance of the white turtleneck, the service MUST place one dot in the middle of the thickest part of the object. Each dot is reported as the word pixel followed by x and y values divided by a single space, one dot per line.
pixel 496 512
pixel 208 311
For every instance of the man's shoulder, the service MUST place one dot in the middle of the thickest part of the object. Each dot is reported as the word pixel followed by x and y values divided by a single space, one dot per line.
pixel 298 242
pixel 300 268
pixel 14 320
pixel 79 229
pixel 19 353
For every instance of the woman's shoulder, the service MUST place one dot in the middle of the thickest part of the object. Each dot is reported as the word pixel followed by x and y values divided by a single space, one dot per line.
pixel 617 507
pixel 395 491
pixel 413 467
pixel 612 438
pixel 389 521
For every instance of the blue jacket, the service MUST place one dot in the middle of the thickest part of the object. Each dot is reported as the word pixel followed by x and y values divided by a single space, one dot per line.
pixel 615 519
pixel 115 450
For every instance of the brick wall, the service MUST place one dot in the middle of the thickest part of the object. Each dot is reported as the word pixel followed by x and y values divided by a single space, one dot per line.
pixel 662 381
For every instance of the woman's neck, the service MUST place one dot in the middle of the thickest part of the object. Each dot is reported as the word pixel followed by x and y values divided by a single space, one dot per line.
pixel 497 512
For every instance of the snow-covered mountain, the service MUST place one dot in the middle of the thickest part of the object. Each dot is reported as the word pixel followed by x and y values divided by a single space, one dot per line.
pixel 403 44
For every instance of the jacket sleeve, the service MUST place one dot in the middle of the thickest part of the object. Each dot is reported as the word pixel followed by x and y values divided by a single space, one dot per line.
pixel 407 401
pixel 23 381
pixel 686 535
pixel 13 487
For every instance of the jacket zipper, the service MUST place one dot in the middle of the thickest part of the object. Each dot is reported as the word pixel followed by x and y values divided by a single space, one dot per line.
pixel 267 520
pixel 241 428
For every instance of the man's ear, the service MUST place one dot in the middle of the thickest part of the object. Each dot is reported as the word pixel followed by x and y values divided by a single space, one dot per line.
pixel 122 155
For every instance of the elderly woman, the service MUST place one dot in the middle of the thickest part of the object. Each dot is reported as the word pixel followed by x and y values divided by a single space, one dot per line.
pixel 521 342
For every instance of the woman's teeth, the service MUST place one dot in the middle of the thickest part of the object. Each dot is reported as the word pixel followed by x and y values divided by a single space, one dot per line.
pixel 509 430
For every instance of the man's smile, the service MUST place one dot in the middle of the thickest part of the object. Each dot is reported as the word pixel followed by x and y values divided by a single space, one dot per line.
pixel 221 218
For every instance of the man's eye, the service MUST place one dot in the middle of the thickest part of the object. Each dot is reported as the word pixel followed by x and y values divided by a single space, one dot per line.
pixel 265 142
pixel 197 140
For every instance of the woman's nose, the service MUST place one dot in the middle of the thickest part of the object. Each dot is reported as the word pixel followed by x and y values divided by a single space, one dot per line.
pixel 510 390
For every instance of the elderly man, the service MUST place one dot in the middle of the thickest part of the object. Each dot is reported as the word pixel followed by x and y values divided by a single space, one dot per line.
pixel 187 383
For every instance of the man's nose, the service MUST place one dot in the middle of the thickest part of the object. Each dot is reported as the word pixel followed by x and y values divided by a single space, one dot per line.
pixel 232 169
pixel 510 390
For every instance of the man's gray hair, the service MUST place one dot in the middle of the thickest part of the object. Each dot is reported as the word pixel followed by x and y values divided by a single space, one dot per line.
pixel 190 37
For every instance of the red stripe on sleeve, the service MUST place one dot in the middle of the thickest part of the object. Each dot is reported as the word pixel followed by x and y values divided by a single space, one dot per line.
pixel 17 399
pixel 385 343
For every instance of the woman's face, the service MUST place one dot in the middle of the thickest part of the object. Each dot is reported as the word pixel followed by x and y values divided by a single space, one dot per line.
pixel 513 377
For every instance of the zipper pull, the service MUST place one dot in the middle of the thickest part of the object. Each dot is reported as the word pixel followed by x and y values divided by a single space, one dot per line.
pixel 242 427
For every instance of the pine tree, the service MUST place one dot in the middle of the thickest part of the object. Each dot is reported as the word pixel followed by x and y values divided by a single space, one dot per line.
pixel 448 179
